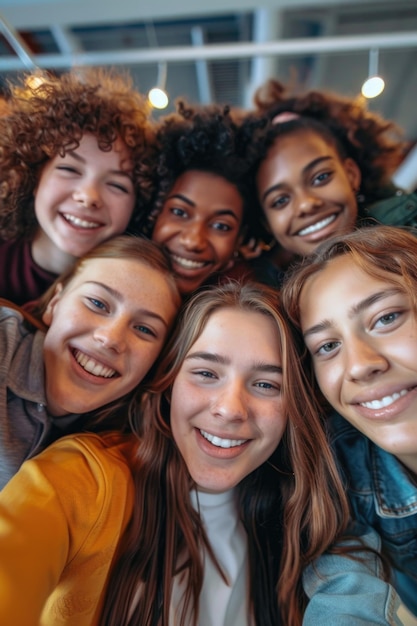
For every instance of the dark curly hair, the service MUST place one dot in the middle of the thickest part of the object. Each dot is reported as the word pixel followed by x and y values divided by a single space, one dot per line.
pixel 205 138
pixel 50 118
pixel 373 143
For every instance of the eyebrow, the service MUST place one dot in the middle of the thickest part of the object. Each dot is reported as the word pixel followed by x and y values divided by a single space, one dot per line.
pixel 180 196
pixel 119 297
pixel 213 357
pixel 81 159
pixel 355 310
pixel 304 171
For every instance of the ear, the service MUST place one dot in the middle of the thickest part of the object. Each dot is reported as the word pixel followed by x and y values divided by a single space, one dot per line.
pixel 48 314
pixel 353 173
pixel 251 249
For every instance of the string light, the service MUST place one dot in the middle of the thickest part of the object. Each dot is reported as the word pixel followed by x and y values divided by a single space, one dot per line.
pixel 157 96
pixel 374 85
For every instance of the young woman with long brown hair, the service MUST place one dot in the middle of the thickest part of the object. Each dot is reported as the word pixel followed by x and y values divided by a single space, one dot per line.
pixel 353 305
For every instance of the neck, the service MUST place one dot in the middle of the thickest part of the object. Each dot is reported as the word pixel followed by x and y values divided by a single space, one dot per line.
pixel 48 256
pixel 410 463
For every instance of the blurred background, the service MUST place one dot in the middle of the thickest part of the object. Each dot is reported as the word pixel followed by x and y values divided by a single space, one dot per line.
pixel 220 51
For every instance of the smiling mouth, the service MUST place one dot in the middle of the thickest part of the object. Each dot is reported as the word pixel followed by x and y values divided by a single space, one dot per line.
pixel 188 264
pixel 222 443
pixel 385 401
pixel 313 228
pixel 92 366
pixel 77 221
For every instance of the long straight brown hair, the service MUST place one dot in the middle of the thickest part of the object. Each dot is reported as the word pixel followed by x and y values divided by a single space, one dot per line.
pixel 293 506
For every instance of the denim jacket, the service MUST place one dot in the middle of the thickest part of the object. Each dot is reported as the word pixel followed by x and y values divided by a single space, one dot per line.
pixel 343 591
pixel 384 497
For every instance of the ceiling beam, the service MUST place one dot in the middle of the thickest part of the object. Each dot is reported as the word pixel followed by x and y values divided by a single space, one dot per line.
pixel 288 47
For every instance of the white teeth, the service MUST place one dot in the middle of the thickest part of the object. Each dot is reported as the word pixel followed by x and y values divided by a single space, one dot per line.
pixel 77 221
pixel 222 443
pixel 383 402
pixel 317 226
pixel 188 263
pixel 93 367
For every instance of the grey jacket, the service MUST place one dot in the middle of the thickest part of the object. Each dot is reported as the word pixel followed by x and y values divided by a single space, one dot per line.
pixel 25 426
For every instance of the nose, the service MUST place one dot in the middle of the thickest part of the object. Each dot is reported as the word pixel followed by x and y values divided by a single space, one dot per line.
pixel 112 335
pixel 87 194
pixel 364 360
pixel 231 403
pixel 307 202
pixel 193 237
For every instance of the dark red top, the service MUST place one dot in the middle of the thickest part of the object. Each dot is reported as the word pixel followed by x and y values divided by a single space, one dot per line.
pixel 21 279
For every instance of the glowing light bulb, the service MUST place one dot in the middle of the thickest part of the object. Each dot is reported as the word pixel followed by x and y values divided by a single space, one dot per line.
pixel 373 87
pixel 158 98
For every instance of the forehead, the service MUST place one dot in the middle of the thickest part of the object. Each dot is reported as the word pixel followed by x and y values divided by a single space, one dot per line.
pixel 338 286
pixel 230 327
pixel 301 141
pixel 208 189
pixel 89 146
pixel 122 274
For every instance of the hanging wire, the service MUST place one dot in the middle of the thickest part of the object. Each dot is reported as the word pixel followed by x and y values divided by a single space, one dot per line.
pixel 157 95
pixel 374 85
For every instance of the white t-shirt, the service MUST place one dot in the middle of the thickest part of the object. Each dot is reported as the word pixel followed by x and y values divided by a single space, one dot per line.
pixel 221 604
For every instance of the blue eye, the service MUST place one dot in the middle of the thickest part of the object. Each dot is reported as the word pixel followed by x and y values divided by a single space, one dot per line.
pixel 328 347
pixel 97 303
pixel 387 319
pixel 145 330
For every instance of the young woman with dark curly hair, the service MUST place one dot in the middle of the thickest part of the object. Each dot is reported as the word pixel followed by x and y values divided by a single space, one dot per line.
pixel 322 164
pixel 75 169
pixel 202 202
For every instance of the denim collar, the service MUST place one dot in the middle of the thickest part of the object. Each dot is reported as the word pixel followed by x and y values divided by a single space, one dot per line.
pixel 395 493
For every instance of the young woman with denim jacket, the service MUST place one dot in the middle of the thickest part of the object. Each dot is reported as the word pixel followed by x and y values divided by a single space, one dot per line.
pixel 354 304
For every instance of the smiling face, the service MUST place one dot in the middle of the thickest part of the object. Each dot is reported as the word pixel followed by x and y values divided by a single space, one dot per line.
pixel 307 192
pixel 227 414
pixel 362 335
pixel 106 329
pixel 199 226
pixel 82 199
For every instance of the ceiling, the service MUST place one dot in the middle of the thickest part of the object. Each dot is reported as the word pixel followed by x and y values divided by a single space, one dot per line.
pixel 221 51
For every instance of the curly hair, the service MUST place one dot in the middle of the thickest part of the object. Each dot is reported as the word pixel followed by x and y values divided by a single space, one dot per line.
pixel 205 138
pixel 374 143
pixel 48 117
